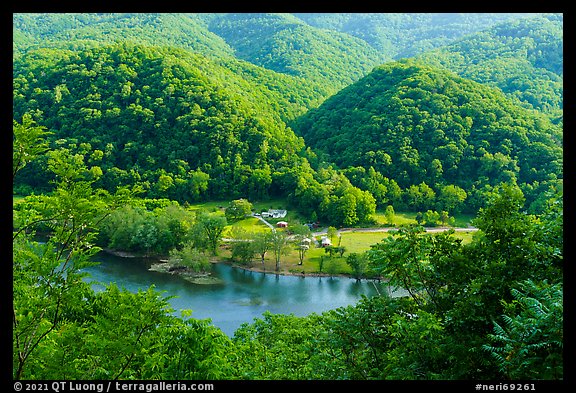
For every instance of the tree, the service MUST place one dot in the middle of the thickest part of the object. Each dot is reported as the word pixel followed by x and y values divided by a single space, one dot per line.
pixel 359 264
pixel 419 218
pixel 420 197
pixel 190 257
pixel 451 198
pixel 340 250
pixel 302 240
pixel 279 243
pixel 413 260
pixel 389 214
pixel 47 277
pixel 345 210
pixel 28 143
pixel 210 226
pixel 238 209
pixel 330 250
pixel 331 233
pixel 242 245
pixel 431 218
pixel 262 243
pixel 529 345
pixel 165 182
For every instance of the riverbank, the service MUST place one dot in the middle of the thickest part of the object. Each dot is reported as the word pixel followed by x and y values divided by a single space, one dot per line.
pixel 316 264
pixel 160 264
pixel 285 272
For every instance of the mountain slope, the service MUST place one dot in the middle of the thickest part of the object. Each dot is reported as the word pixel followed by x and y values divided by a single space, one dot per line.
pixel 523 58
pixel 278 42
pixel 154 112
pixel 285 44
pixel 398 35
pixel 82 30
pixel 414 123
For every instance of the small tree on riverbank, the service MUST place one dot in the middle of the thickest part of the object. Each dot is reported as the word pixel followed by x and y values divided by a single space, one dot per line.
pixel 261 244
pixel 302 240
pixel 241 246
pixel 359 264
pixel 280 246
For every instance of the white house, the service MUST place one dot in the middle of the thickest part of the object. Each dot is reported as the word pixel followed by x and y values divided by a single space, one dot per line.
pixel 325 241
pixel 275 213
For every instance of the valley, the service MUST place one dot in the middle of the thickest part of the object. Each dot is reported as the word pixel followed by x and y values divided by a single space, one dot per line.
pixel 296 166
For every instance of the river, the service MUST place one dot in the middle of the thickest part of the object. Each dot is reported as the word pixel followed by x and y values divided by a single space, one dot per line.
pixel 240 296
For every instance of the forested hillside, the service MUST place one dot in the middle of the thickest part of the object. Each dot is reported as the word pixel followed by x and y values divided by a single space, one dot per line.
pixel 285 44
pixel 398 35
pixel 122 121
pixel 524 58
pixel 427 128
pixel 333 49
pixel 278 42
pixel 164 118
pixel 82 30
pixel 201 93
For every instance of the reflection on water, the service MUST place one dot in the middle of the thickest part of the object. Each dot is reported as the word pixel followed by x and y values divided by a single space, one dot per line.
pixel 242 296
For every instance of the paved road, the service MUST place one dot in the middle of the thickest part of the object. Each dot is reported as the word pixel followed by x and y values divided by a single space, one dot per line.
pixel 436 229
pixel 344 230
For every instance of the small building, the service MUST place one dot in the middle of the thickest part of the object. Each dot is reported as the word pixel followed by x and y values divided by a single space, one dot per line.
pixel 276 213
pixel 325 241
pixel 282 224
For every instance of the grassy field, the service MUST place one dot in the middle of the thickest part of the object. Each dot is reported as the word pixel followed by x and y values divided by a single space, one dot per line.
pixel 249 225
pixel 400 218
pixel 354 242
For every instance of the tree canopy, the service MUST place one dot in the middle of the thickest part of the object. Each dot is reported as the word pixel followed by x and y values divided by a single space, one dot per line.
pixel 420 125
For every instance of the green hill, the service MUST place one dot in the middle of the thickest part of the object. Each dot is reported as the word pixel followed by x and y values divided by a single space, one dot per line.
pixel 165 113
pixel 524 58
pixel 83 30
pixel 398 35
pixel 417 124
pixel 202 101
pixel 278 42
pixel 284 43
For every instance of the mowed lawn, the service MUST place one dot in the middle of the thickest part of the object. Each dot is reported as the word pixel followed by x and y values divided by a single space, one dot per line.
pixel 317 261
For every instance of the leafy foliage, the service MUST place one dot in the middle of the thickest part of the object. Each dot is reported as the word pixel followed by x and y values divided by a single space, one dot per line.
pixel 529 344
pixel 286 44
pixel 400 35
pixel 142 103
pixel 524 58
pixel 427 128
pixel 178 125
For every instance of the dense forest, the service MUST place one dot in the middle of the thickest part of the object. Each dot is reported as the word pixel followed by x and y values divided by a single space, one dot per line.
pixel 399 35
pixel 427 129
pixel 518 57
pixel 122 120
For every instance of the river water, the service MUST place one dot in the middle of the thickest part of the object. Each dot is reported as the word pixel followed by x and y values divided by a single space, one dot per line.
pixel 240 296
